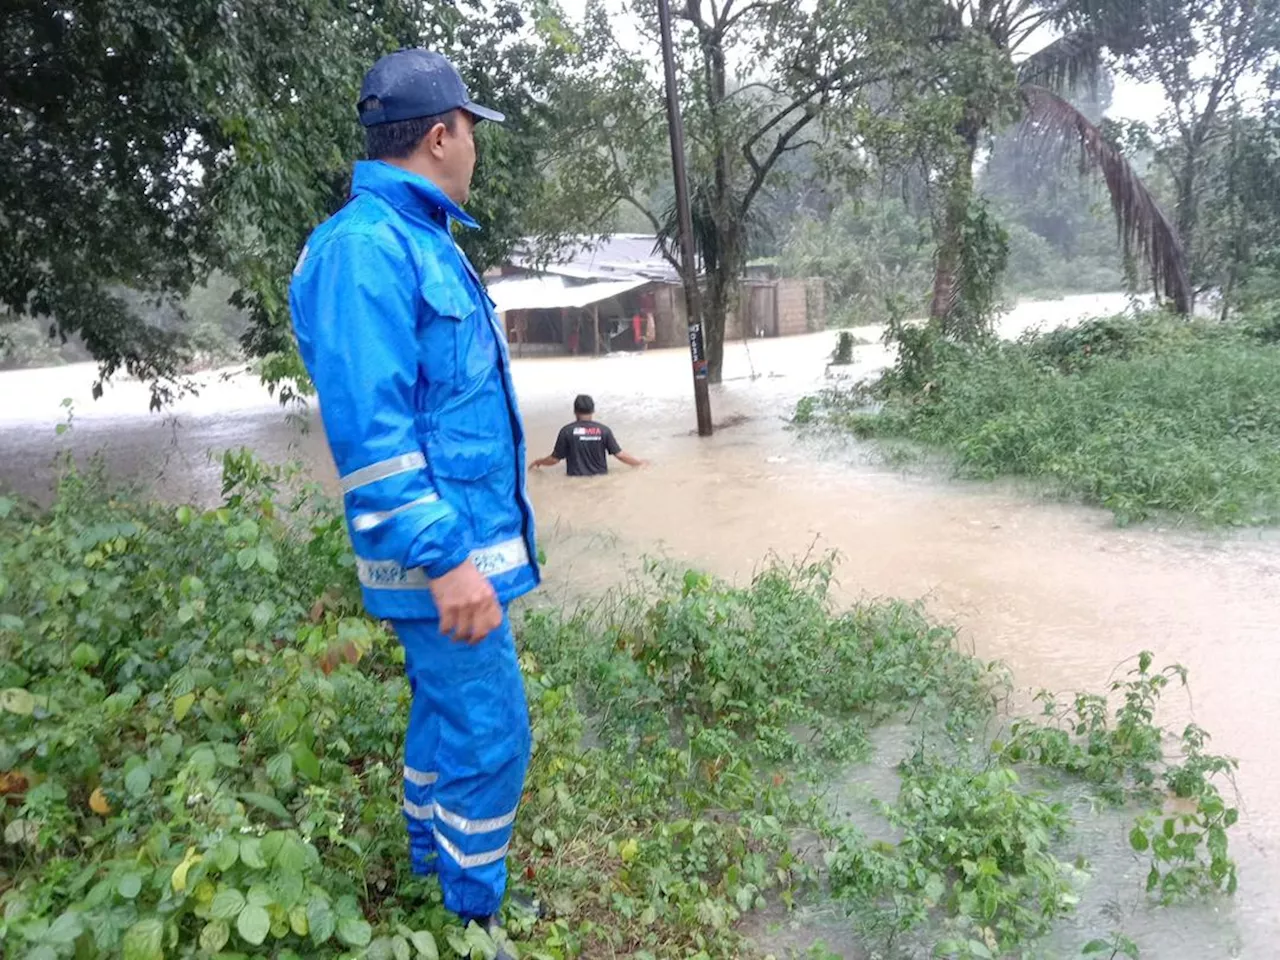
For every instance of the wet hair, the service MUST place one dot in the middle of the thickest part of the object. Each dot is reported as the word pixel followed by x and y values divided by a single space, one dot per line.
pixel 583 405
pixel 395 141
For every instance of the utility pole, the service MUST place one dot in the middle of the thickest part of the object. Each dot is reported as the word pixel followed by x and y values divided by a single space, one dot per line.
pixel 688 260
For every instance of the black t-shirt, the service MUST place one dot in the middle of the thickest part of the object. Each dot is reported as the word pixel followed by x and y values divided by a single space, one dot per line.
pixel 585 446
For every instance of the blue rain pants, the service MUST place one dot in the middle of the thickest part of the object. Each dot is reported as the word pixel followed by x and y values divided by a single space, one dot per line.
pixel 466 754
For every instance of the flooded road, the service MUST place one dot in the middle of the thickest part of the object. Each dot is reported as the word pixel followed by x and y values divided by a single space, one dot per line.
pixel 1055 591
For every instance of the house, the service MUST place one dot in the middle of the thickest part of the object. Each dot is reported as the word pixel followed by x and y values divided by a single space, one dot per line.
pixel 585 300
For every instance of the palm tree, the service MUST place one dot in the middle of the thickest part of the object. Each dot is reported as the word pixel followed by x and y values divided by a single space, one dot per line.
pixel 1048 122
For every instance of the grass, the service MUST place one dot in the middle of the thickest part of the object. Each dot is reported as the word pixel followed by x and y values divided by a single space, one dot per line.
pixel 1142 417
pixel 200 749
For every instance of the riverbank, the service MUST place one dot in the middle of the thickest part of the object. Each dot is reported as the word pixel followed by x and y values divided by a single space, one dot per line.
pixel 1145 416
pixel 1054 591
pixel 212 757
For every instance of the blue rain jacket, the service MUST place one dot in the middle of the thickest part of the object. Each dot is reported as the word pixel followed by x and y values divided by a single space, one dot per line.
pixel 411 366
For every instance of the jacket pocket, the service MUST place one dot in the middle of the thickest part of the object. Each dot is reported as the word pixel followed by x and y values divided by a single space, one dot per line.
pixel 459 342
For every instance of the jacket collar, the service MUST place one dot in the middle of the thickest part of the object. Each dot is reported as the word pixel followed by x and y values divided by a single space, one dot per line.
pixel 412 195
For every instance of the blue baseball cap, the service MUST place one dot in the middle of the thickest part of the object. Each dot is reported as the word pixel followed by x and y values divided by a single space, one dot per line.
pixel 414 83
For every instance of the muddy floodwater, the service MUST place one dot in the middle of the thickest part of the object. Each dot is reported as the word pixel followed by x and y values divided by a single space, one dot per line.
pixel 1055 591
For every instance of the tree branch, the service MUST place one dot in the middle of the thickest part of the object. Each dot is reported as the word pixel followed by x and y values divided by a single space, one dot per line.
pixel 730 21
pixel 761 168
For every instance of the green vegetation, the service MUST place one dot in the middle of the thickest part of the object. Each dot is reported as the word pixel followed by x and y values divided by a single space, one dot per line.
pixel 200 742
pixel 1140 415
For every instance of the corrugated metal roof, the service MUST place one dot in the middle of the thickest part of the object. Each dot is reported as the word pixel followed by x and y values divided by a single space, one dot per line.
pixel 554 292
pixel 600 258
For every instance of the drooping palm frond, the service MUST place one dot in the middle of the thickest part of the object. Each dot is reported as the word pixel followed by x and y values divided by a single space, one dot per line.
pixel 1069 63
pixel 1057 128
pixel 708 236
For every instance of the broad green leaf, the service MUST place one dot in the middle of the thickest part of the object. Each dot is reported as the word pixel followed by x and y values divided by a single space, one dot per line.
pixel 144 940
pixel 19 701
pixel 400 949
pixel 246 558
pixel 425 944
pixel 305 761
pixel 253 924
pixel 480 942
pixel 266 804
pixel 204 763
pixel 298 921
pixel 85 655
pixel 226 853
pixel 251 853
pixel 320 919
pixel 260 896
pixel 227 904
pixel 292 858
pixel 262 614
pixel 267 559
pixel 458 943
pixel 227 754
pixel 182 706
pixel 129 885
pixel 214 936
pixel 1138 840
pixel 354 933
pixel 280 769
pixel 1095 946
pixel 64 930
pixel 22 830
pixel 138 780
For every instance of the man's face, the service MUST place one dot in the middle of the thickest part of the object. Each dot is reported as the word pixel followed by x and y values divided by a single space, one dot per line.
pixel 459 156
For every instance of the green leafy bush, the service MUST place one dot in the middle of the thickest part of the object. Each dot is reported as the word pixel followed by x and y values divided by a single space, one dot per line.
pixel 1141 417
pixel 200 741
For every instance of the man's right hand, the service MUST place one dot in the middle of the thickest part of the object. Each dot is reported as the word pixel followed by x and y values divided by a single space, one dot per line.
pixel 469 609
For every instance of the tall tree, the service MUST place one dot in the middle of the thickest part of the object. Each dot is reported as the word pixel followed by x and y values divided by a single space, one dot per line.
pixel 1204 54
pixel 759 80
pixel 144 143
pixel 982 67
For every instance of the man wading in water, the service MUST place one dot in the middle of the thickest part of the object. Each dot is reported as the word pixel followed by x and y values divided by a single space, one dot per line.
pixel 413 376
pixel 585 445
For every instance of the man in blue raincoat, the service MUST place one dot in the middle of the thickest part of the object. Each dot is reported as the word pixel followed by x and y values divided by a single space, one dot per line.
pixel 414 382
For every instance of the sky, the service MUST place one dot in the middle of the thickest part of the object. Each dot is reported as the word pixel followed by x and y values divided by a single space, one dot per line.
pixel 1130 101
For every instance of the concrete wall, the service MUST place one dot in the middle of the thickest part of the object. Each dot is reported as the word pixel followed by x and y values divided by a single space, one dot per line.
pixel 793 308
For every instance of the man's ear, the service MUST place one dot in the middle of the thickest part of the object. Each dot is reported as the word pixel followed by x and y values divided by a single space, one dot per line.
pixel 433 142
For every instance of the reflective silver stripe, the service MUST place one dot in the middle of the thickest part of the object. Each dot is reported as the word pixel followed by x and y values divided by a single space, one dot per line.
pixel 418 778
pixel 365 522
pixel 389 575
pixel 491 561
pixel 472 827
pixel 419 811
pixel 501 557
pixel 380 471
pixel 467 861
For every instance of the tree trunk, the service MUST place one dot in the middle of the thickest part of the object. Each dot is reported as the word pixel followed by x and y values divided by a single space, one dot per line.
pixel 950 231
pixel 715 312
pixel 1187 213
